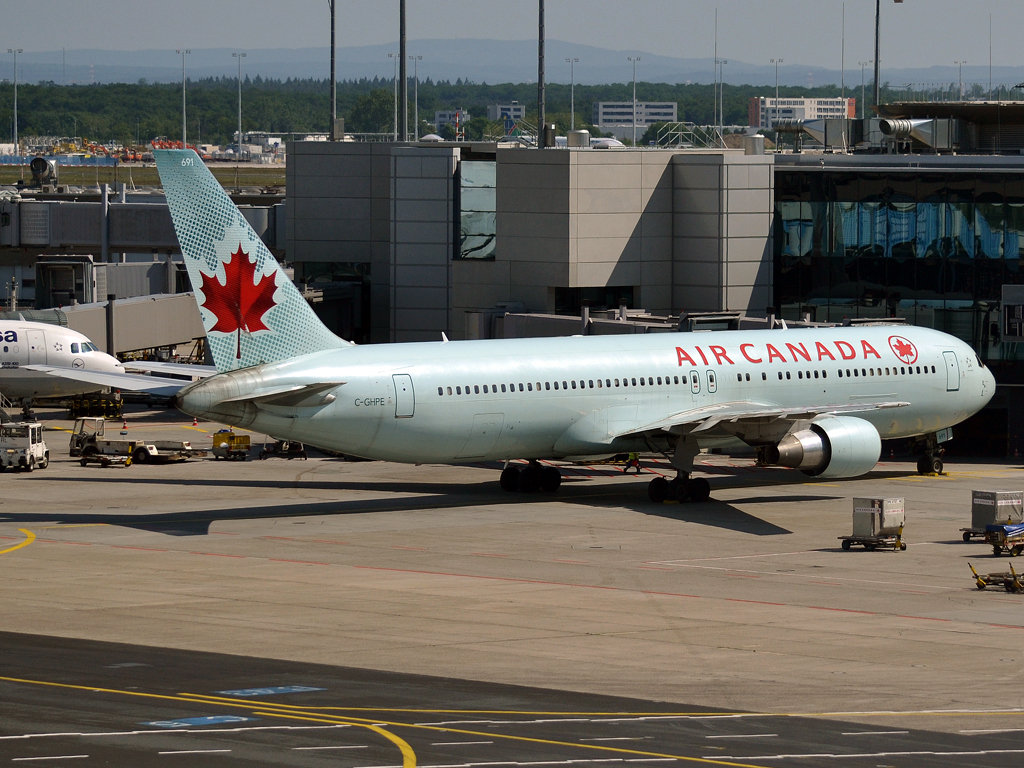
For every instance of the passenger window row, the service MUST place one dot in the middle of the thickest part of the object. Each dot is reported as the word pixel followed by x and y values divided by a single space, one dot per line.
pixel 475 389
pixel 546 386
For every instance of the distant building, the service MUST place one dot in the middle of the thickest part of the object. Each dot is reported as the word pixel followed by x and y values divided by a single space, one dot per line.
pixel 764 111
pixel 514 111
pixel 617 116
pixel 450 116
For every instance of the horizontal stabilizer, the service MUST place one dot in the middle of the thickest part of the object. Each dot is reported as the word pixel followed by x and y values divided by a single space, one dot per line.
pixel 171 369
pixel 290 396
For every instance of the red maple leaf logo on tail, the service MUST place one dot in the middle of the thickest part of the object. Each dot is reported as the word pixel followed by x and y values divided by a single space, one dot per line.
pixel 240 303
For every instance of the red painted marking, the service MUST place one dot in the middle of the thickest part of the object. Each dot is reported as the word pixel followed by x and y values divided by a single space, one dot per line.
pixel 841 610
pixel 417 549
pixel 670 594
pixel 327 541
pixel 224 533
pixel 1006 626
pixel 754 602
pixel 282 538
pixel 78 543
pixel 827 583
pixel 744 575
pixel 574 562
pixel 145 549
pixel 217 554
pixel 300 562
pixel 9 538
pixel 922 618
pixel 651 568
pixel 486 554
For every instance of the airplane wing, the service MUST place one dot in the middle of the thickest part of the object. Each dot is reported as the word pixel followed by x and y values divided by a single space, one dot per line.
pixel 711 416
pixel 178 369
pixel 126 381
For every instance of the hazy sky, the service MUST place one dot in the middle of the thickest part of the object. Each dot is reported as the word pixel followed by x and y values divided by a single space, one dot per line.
pixel 917 33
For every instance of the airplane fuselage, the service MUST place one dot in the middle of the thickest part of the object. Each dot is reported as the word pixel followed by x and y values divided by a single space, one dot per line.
pixel 25 343
pixel 564 397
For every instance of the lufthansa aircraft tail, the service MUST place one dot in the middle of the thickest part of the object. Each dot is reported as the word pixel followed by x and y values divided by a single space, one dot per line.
pixel 252 312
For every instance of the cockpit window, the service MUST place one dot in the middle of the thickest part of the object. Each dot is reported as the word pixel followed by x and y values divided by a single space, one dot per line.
pixel 74 348
pixel 980 363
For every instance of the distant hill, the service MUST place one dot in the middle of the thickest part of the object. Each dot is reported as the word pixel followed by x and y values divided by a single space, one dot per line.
pixel 478 61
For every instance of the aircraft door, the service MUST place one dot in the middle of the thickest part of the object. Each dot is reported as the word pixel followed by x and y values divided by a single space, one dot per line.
pixel 952 372
pixel 695 382
pixel 36 348
pixel 712 382
pixel 405 396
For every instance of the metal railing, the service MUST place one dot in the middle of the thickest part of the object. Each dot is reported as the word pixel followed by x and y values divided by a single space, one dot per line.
pixel 690 135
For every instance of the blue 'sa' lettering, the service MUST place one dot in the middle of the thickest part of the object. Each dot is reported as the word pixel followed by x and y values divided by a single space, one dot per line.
pixel 11 336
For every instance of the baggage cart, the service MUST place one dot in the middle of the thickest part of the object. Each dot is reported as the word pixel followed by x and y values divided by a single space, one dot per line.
pixel 283 449
pixel 1011 581
pixel 993 508
pixel 1007 539
pixel 877 524
pixel 228 445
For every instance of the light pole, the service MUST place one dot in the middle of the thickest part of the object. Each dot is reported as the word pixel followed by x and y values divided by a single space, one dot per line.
pixel 878 56
pixel 961 65
pixel 572 93
pixel 416 95
pixel 241 56
pixel 862 65
pixel 183 51
pixel 334 86
pixel 776 62
pixel 721 97
pixel 634 59
pixel 16 51
pixel 395 57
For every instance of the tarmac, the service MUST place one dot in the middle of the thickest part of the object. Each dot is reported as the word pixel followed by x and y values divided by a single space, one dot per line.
pixel 219 576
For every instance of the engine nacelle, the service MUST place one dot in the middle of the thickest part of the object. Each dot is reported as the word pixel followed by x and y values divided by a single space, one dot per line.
pixel 833 446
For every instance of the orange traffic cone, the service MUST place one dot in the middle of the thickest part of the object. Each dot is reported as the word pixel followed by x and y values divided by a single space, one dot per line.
pixel 124 424
pixel 195 421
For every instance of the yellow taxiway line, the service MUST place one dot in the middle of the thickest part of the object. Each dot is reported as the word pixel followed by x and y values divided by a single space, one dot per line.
pixel 29 538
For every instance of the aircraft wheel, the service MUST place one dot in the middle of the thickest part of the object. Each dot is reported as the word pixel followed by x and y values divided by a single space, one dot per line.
pixel 700 490
pixel 679 489
pixel 529 478
pixel 657 490
pixel 510 478
pixel 550 479
pixel 923 466
pixel 935 465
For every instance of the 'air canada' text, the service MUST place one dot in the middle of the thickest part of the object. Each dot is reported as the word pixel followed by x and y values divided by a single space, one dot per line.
pixel 781 353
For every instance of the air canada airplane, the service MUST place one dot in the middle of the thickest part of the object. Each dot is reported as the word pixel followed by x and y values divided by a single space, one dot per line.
pixel 818 400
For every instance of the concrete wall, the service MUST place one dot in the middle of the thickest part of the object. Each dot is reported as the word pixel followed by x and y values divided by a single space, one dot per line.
pixel 422 241
pixel 722 231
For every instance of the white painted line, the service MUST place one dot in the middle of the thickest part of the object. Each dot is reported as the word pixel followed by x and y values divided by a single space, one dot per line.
pixel 185 730
pixel 54 757
pixel 193 751
pixel 617 738
pixel 349 747
pixel 457 743
pixel 863 755
pixel 994 730
pixel 744 736
pixel 873 733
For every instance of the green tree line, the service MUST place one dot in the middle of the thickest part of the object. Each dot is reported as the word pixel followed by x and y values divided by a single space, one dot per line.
pixel 122 111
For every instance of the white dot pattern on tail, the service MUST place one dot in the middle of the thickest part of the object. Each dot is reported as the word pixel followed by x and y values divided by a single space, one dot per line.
pixel 209 229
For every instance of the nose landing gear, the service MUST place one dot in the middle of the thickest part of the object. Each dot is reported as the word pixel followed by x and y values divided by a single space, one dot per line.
pixel 531 478
pixel 931 462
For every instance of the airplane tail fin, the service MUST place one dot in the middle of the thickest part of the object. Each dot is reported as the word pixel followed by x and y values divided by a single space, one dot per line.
pixel 252 312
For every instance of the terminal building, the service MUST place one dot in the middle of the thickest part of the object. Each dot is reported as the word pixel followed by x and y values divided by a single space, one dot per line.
pixel 617 117
pixel 764 111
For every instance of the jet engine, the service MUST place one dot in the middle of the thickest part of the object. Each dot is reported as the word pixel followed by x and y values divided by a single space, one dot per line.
pixel 834 446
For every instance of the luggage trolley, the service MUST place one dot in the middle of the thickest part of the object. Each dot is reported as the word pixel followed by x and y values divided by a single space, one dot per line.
pixel 993 508
pixel 877 524
pixel 1008 539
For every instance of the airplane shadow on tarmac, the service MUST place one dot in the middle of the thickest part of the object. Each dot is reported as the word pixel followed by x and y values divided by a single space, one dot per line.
pixel 428 496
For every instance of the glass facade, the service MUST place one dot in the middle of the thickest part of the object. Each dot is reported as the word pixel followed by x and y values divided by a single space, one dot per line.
pixel 477 205
pixel 932 246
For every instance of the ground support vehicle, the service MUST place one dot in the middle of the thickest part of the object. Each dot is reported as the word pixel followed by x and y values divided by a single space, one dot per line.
pixel 993 508
pixel 1007 539
pixel 105 459
pixel 1011 581
pixel 22 446
pixel 87 441
pixel 228 445
pixel 973 533
pixel 871 543
pixel 283 449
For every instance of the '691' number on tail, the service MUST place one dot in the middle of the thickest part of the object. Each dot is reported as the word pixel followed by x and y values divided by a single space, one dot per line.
pixel 187 161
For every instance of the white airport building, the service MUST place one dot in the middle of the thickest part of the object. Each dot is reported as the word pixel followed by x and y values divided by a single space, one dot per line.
pixel 616 117
pixel 514 111
pixel 451 116
pixel 764 111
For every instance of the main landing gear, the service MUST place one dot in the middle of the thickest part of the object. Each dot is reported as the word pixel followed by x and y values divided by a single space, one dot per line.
pixel 682 488
pixel 531 478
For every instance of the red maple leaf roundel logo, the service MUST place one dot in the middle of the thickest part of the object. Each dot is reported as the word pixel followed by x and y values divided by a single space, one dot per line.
pixel 240 303
pixel 904 349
